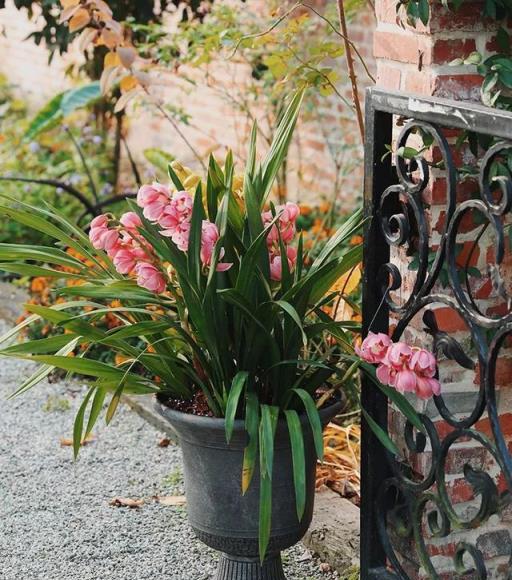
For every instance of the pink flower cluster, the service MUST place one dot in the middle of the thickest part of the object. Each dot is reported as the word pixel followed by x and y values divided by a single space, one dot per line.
pixel 407 369
pixel 128 250
pixel 285 229
pixel 173 212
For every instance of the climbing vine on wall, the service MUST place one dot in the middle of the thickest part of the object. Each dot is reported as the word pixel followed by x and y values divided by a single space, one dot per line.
pixel 496 70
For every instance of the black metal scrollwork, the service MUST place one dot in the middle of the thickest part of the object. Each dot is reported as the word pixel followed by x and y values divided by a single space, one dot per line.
pixel 415 506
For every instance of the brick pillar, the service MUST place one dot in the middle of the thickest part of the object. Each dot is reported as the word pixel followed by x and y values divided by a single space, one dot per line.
pixel 416 61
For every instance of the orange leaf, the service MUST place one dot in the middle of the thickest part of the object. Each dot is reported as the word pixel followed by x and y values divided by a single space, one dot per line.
pixel 128 83
pixel 127 502
pixel 69 3
pixel 64 442
pixel 79 20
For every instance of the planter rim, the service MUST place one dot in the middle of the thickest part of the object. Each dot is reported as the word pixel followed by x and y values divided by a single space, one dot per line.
pixel 239 424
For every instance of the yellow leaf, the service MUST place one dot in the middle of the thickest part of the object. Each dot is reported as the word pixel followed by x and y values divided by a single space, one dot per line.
pixel 171 500
pixel 79 20
pixel 347 283
pixel 111 59
pixel 128 83
pixel 69 3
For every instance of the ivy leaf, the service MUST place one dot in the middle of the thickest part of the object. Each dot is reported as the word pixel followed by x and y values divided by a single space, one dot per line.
pixel 424 11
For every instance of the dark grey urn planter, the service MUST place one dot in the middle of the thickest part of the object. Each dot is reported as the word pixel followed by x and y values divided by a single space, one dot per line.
pixel 219 514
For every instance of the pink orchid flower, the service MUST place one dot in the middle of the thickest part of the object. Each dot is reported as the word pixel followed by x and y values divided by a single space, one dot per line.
pixel 178 211
pixel 153 199
pixel 374 347
pixel 209 238
pixel 285 224
pixel 130 220
pixel 150 277
pixel 276 264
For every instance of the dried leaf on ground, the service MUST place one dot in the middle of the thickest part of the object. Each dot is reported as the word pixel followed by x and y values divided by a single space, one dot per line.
pixel 65 442
pixel 126 502
pixel 171 500
pixel 340 469
pixel 165 442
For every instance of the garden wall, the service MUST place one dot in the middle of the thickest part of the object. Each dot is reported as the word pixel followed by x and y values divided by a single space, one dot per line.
pixel 416 60
pixel 214 126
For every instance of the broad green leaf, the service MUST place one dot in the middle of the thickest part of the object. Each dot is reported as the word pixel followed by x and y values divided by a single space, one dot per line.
pixel 46 118
pixel 78 426
pixel 252 419
pixel 265 515
pixel 194 245
pixel 299 460
pixel 96 407
pixel 80 97
pixel 279 148
pixel 239 381
pixel 268 424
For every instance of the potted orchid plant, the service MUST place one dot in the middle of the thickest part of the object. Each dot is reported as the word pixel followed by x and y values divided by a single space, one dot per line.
pixel 232 335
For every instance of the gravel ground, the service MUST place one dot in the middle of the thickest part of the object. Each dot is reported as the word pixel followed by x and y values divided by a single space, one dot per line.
pixel 56 521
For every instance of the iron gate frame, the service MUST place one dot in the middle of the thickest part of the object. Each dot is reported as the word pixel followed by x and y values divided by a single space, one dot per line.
pixel 381 108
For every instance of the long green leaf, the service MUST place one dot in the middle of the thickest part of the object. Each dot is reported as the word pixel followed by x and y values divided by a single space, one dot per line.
pixel 268 424
pixel 314 420
pixel 381 435
pixel 78 426
pixel 299 460
pixel 43 371
pixel 252 418
pixel 194 246
pixel 279 148
pixel 96 407
pixel 237 386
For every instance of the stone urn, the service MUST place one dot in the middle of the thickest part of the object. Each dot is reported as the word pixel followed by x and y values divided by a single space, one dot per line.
pixel 219 514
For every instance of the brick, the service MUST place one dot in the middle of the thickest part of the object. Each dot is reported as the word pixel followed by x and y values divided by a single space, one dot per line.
pixel 449 320
pixel 388 77
pixel 402 46
pixel 446 50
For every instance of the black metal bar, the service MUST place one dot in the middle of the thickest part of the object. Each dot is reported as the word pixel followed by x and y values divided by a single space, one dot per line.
pixel 375 467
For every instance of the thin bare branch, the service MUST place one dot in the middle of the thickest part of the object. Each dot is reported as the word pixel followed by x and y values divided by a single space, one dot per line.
pixel 350 66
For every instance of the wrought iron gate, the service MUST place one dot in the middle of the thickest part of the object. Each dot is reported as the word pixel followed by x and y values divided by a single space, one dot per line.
pixel 443 509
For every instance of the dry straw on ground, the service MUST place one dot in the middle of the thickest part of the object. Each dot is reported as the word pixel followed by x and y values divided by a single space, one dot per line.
pixel 340 469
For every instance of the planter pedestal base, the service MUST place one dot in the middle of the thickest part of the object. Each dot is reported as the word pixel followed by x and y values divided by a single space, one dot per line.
pixel 239 568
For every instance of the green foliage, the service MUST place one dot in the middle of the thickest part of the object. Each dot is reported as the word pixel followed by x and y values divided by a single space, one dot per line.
pixel 38 148
pixel 256 349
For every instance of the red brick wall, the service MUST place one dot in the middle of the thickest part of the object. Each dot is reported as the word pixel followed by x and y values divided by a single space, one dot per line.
pixel 416 60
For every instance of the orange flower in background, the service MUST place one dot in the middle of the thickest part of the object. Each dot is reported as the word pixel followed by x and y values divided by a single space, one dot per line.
pixel 305 209
pixel 39 284
pixel 356 240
